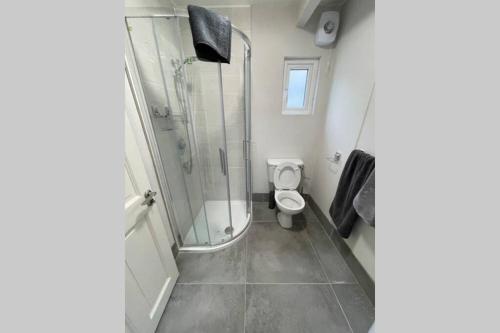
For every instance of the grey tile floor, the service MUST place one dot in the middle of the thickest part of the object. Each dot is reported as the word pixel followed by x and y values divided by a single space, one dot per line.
pixel 273 280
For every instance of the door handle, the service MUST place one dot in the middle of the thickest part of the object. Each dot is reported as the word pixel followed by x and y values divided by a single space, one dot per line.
pixel 148 198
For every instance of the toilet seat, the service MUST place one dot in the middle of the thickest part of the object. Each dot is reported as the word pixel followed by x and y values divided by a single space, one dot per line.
pixel 290 202
pixel 286 176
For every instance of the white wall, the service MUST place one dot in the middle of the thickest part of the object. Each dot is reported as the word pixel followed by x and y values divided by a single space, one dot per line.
pixel 274 36
pixel 345 126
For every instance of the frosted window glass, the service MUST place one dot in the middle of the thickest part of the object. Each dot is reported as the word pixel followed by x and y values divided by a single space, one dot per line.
pixel 297 80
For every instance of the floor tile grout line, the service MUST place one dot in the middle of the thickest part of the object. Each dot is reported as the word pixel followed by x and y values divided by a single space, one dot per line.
pixel 341 307
pixel 327 278
pixel 331 241
pixel 329 236
pixel 246 259
pixel 316 255
pixel 245 288
pixel 335 246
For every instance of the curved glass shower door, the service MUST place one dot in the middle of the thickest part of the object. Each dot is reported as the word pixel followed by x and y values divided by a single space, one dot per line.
pixel 207 99
pixel 196 110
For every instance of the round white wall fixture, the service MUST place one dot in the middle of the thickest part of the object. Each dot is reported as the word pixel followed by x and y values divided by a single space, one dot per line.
pixel 327 28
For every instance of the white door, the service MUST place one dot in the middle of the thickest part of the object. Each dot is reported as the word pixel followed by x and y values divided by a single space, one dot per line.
pixel 150 269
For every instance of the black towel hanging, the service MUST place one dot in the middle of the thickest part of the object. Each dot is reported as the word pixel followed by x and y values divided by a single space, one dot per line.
pixel 357 169
pixel 211 35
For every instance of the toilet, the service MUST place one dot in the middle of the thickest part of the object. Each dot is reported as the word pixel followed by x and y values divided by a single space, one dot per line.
pixel 285 174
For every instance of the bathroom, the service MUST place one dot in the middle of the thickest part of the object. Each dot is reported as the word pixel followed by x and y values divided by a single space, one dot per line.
pixel 244 153
pixel 208 166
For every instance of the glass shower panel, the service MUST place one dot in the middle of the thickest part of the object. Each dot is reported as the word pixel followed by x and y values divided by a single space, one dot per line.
pixel 173 65
pixel 205 97
pixel 234 111
pixel 159 60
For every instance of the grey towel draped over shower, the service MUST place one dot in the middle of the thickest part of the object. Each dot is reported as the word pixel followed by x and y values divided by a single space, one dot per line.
pixel 211 35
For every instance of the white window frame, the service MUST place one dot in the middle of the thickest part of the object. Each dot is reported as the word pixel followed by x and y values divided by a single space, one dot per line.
pixel 312 65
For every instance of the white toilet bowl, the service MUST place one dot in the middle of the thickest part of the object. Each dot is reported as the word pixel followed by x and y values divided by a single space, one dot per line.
pixel 289 203
pixel 286 179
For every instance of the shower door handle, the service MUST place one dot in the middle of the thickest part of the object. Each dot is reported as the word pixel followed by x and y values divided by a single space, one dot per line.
pixel 222 156
pixel 244 150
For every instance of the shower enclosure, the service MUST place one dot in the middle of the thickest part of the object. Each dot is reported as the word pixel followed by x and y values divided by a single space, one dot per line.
pixel 196 117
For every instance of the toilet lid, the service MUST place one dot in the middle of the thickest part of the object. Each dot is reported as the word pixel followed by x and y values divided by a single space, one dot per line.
pixel 286 176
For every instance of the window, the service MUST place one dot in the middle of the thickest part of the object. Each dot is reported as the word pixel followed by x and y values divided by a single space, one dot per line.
pixel 300 78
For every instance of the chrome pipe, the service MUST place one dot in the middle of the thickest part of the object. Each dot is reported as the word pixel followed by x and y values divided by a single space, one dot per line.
pixel 224 139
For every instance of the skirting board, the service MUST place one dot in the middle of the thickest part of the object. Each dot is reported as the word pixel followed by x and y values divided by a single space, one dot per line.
pixel 175 250
pixel 260 197
pixel 365 281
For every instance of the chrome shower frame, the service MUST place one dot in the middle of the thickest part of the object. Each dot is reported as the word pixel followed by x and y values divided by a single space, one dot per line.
pixel 148 129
